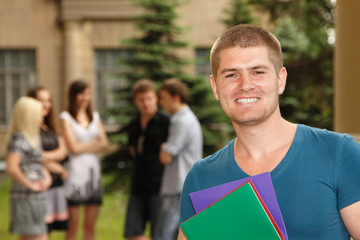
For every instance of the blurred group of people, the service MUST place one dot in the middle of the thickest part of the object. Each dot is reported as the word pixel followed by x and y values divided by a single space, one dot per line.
pixel 46 195
pixel 164 148
pixel 314 171
pixel 57 170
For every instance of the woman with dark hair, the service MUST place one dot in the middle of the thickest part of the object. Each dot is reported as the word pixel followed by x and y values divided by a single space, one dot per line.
pixel 53 156
pixel 85 137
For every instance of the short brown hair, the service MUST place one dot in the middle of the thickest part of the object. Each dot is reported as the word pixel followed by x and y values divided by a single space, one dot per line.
pixel 176 87
pixel 143 85
pixel 245 36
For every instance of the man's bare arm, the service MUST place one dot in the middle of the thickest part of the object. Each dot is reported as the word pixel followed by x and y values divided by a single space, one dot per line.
pixel 351 218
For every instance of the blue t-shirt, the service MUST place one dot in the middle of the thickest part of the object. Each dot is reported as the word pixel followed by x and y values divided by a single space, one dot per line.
pixel 318 176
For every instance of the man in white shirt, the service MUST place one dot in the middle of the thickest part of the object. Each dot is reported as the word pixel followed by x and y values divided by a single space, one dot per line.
pixel 183 147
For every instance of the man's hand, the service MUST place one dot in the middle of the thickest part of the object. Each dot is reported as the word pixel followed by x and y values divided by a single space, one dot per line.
pixel 165 157
pixel 181 235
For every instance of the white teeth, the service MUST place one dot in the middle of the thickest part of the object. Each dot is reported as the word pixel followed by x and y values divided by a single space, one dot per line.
pixel 247 100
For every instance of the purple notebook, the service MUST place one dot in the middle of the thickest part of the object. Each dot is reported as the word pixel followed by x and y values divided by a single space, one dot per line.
pixel 204 198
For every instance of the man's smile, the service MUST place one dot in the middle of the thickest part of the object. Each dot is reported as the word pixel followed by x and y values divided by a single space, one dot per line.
pixel 247 100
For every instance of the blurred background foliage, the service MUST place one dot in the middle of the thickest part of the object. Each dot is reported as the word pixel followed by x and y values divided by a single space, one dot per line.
pixel 156 54
pixel 305 29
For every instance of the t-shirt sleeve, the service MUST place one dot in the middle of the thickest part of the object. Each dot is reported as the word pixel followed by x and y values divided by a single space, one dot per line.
pixel 17 145
pixel 177 138
pixel 96 116
pixel 348 189
pixel 186 208
pixel 65 115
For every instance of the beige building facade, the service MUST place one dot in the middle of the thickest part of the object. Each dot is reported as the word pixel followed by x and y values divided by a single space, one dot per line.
pixel 347 70
pixel 52 42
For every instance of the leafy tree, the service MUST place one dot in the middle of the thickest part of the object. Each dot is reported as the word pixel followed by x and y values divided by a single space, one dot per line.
pixel 156 55
pixel 238 12
pixel 302 28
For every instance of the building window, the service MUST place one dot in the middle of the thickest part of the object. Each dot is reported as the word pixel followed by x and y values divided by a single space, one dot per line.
pixel 17 74
pixel 202 66
pixel 109 70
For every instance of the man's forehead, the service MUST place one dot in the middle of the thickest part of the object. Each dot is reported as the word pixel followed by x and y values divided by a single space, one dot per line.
pixel 245 55
pixel 145 93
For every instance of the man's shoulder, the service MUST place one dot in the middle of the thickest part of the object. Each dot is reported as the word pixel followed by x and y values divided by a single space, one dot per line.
pixel 160 121
pixel 189 112
pixel 213 170
pixel 321 133
pixel 134 121
pixel 161 117
pixel 325 141
pixel 186 117
pixel 216 158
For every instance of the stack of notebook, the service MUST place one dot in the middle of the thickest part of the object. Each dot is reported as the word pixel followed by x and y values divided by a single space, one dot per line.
pixel 242 209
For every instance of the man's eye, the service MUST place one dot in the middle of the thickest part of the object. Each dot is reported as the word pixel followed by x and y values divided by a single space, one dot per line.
pixel 232 75
pixel 257 74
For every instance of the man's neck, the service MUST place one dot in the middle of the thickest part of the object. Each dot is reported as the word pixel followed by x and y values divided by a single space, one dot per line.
pixel 178 107
pixel 145 119
pixel 261 147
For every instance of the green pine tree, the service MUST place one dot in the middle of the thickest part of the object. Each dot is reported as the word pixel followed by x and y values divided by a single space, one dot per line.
pixel 238 12
pixel 155 55
pixel 302 28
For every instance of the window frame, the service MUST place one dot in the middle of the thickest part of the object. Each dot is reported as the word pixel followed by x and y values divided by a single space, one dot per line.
pixel 24 69
pixel 202 61
pixel 109 70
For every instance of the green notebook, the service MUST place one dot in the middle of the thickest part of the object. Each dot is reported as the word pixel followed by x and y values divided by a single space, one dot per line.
pixel 238 215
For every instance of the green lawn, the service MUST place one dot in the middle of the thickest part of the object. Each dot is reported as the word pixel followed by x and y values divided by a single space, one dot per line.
pixel 109 225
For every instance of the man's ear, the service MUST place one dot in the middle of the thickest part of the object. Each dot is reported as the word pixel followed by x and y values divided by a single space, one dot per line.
pixel 177 98
pixel 282 76
pixel 213 86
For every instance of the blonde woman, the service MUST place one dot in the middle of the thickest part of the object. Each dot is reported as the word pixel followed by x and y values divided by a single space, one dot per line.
pixel 24 166
pixel 84 136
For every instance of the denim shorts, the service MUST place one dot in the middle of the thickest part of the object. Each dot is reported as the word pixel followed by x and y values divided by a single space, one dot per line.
pixel 142 208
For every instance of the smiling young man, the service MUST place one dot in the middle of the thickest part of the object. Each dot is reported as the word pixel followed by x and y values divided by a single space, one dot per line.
pixel 314 171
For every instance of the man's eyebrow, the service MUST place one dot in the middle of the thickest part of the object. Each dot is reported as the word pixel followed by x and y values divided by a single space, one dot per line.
pixel 258 67
pixel 229 70
pixel 261 66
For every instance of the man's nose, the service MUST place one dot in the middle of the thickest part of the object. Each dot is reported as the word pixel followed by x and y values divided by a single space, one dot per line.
pixel 244 82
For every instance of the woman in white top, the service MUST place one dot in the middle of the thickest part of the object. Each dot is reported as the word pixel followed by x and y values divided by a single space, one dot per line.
pixel 84 136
